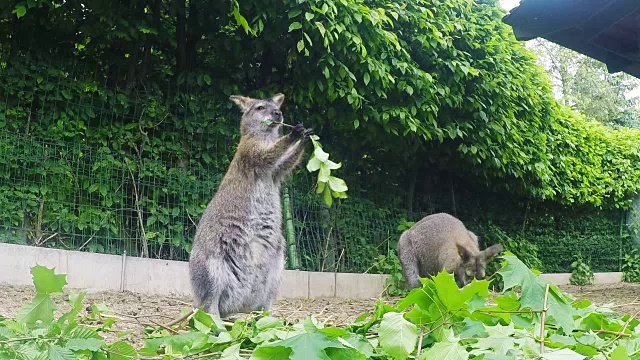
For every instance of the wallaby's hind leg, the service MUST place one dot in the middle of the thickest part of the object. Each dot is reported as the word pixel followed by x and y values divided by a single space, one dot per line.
pixel 409 265
pixel 200 282
pixel 212 306
pixel 273 282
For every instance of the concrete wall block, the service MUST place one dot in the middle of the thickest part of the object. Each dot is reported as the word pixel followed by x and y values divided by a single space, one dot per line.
pixel 599 278
pixel 16 262
pixel 607 278
pixel 557 279
pixel 359 286
pixel 157 277
pixel 295 285
pixel 94 271
pixel 322 285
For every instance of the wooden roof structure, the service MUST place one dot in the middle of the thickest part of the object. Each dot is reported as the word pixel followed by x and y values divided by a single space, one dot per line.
pixel 606 30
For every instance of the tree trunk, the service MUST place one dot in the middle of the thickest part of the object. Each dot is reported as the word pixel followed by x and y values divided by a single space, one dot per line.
pixel 453 197
pixel 149 40
pixel 192 36
pixel 411 191
pixel 181 28
pixel 13 30
pixel 133 65
pixel 266 66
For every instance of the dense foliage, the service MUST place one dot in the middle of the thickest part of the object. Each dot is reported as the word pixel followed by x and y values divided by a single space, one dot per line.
pixel 421 70
pixel 435 321
pixel 115 127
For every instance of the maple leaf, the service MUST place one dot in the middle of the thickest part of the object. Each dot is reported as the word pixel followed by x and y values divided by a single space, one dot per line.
pixel 515 273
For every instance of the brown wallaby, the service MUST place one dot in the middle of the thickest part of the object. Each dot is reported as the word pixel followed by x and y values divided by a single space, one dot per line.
pixel 441 241
pixel 238 251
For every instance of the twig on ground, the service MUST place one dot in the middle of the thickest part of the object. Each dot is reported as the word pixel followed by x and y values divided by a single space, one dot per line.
pixel 181 318
pixel 633 303
pixel 164 327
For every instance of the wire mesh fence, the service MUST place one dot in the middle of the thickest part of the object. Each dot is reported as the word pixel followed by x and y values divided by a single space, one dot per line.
pixel 83 167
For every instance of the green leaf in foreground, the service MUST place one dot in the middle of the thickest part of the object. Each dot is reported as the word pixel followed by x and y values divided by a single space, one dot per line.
pixel 445 351
pixel 46 281
pixel 122 351
pixel 500 339
pixel 515 273
pixel 397 336
pixel 60 353
pixel 272 353
pixel 85 344
pixel 231 353
pixel 344 354
pixel 187 340
pixel 564 354
pixel 40 308
pixel 455 298
pixel 307 346
pixel 620 353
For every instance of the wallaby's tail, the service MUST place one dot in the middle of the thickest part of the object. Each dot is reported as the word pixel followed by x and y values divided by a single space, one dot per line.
pixel 409 262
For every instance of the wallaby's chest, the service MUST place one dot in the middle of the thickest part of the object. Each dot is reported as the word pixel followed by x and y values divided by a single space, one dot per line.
pixel 256 210
pixel 265 209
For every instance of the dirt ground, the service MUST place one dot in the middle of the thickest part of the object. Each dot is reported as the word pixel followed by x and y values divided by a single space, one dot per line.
pixel 625 297
pixel 135 310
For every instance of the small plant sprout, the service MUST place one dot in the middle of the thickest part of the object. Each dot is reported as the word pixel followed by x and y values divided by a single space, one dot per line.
pixel 582 273
pixel 329 186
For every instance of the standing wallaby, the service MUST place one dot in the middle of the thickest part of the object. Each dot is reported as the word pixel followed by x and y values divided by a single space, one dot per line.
pixel 237 258
pixel 441 241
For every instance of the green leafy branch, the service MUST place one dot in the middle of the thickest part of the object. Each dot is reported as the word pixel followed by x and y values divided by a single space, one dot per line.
pixel 331 187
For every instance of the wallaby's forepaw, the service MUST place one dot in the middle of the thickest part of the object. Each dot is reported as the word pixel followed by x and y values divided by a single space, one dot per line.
pixel 308 132
pixel 297 131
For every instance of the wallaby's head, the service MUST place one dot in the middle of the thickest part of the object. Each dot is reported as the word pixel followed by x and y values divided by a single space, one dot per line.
pixel 474 265
pixel 260 117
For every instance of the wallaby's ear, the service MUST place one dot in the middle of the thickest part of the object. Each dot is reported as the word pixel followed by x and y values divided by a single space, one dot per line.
pixel 278 99
pixel 492 251
pixel 464 253
pixel 242 101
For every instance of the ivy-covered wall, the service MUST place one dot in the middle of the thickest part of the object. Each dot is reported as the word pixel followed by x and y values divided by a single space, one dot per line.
pixel 89 168
pixel 115 126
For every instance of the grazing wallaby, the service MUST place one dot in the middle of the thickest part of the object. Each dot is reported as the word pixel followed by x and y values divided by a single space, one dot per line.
pixel 238 251
pixel 441 241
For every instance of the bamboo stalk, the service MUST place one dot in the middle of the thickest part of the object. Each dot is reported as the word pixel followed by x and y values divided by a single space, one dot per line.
pixel 543 319
pixel 290 231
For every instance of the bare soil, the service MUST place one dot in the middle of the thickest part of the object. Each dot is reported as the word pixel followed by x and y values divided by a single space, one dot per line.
pixel 625 297
pixel 135 311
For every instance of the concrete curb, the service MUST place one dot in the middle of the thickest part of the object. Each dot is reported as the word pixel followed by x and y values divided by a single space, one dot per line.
pixel 98 272
pixel 598 278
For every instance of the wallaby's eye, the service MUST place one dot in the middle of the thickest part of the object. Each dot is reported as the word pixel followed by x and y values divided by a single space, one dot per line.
pixel 260 107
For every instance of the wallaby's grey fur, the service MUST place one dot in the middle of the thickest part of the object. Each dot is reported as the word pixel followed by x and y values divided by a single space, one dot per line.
pixel 238 251
pixel 441 241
